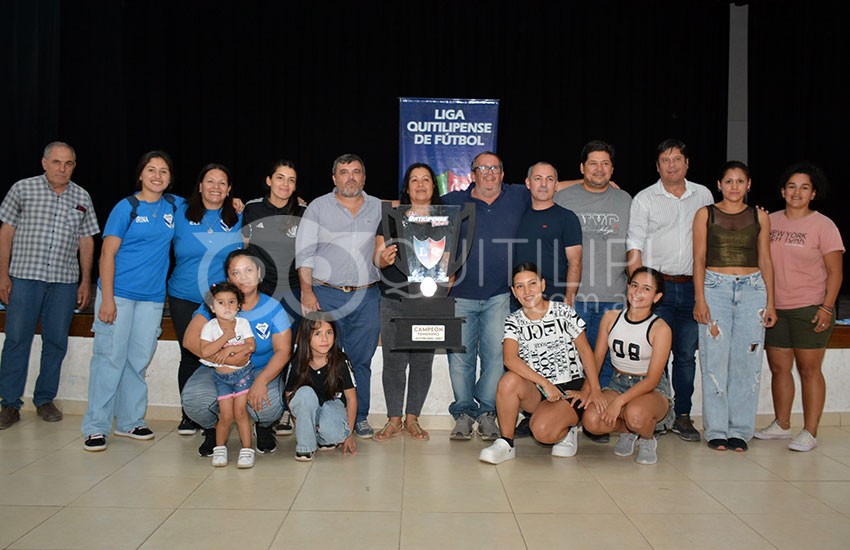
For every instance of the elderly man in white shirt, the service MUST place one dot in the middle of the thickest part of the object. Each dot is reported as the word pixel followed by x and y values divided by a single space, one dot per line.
pixel 661 236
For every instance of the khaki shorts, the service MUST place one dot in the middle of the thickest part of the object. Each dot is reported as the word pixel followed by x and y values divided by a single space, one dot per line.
pixel 794 329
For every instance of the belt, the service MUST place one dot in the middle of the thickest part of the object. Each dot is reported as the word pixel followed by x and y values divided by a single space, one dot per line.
pixel 344 288
pixel 678 278
pixel 627 375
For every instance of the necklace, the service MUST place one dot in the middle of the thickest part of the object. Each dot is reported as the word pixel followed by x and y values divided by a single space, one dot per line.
pixel 209 225
pixel 158 204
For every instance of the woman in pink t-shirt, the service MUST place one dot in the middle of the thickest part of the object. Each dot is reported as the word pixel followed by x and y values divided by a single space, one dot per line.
pixel 806 249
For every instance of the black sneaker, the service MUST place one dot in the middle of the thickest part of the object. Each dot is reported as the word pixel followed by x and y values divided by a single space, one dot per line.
pixel 142 433
pixel 266 442
pixel 206 448
pixel 284 425
pixel 187 427
pixel 305 456
pixel 684 427
pixel 522 429
pixel 95 442
pixel 601 438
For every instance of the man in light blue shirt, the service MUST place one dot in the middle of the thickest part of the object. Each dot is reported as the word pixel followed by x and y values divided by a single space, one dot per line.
pixel 333 254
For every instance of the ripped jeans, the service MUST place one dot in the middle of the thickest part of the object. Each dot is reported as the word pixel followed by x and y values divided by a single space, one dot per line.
pixel 730 354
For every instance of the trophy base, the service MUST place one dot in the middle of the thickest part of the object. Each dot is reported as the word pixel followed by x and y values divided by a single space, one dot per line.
pixel 428 324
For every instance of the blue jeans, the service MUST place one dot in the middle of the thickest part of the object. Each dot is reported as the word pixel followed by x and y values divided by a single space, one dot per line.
pixel 591 313
pixel 53 304
pixel 121 354
pixel 482 334
pixel 200 400
pixel 325 424
pixel 677 309
pixel 358 320
pixel 731 361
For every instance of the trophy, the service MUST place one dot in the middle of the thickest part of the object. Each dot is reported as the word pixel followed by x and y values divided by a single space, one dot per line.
pixel 430 251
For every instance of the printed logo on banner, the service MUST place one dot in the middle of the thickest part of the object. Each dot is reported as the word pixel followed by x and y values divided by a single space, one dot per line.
pixel 446 134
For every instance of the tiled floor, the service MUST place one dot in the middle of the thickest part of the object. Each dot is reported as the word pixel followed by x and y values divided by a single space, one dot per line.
pixel 408 494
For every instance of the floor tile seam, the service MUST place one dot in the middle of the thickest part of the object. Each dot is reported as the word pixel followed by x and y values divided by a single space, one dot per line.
pixel 742 518
pixel 685 474
pixel 828 505
pixel 798 512
pixel 300 488
pixel 158 527
pixel 690 481
pixel 513 511
pixel 820 456
pixel 195 489
pixel 731 514
pixel 28 464
pixel 59 510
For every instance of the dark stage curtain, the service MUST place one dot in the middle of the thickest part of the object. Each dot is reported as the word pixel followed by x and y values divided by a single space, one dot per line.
pixel 245 83
pixel 798 104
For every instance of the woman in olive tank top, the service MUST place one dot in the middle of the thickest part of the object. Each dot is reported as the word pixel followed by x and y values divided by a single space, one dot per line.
pixel 733 287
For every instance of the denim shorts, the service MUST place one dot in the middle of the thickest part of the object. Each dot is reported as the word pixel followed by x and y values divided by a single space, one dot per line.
pixel 231 384
pixel 622 382
pixel 794 329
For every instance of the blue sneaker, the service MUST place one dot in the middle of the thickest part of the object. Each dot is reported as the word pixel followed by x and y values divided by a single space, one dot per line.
pixel 364 430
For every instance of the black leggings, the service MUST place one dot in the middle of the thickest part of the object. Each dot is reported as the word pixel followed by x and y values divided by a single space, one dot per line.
pixel 181 315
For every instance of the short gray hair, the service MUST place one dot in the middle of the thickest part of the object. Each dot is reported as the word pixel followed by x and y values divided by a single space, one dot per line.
pixel 54 144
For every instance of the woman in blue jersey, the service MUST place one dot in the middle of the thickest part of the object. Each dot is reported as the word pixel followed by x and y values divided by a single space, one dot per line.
pixel 206 230
pixel 130 297
pixel 273 338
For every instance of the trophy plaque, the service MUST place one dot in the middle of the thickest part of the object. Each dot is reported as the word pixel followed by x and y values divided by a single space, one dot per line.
pixel 430 250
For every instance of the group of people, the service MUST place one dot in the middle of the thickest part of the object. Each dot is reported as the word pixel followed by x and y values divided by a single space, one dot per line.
pixel 573 295
pixel 725 278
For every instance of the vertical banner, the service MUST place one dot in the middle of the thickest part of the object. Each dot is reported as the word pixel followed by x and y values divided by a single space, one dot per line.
pixel 446 134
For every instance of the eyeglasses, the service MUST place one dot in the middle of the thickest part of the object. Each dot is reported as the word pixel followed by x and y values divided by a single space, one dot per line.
pixel 491 169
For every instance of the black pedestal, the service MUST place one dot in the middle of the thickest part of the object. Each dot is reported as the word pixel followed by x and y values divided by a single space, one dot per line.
pixel 428 323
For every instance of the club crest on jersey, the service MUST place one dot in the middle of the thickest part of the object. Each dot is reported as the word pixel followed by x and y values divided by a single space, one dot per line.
pixel 262 330
pixel 169 220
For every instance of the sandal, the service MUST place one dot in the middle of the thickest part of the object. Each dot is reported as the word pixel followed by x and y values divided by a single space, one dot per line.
pixel 737 444
pixel 415 431
pixel 718 444
pixel 389 431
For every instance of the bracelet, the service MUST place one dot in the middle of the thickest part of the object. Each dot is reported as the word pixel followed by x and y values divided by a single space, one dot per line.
pixel 827 310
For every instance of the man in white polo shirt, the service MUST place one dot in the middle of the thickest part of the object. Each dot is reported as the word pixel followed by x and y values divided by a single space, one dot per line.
pixel 661 236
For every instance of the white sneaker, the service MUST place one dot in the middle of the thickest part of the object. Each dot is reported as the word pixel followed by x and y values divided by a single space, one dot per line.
pixel 246 458
pixel 625 444
pixel 773 431
pixel 219 456
pixel 646 451
pixel 497 453
pixel 803 442
pixel 568 446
